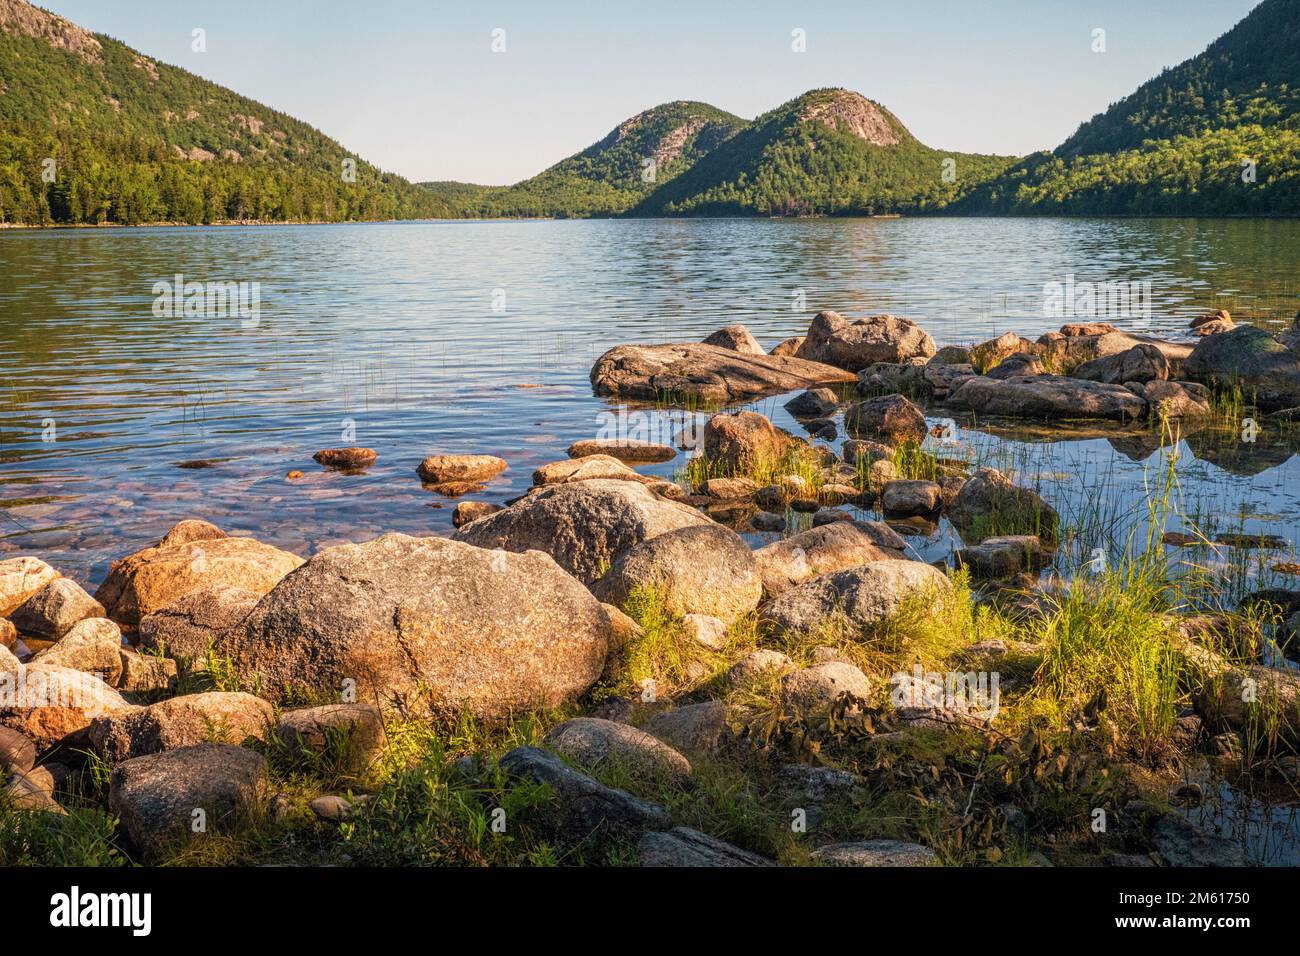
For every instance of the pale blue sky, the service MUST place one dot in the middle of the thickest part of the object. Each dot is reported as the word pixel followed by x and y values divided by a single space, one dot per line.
pixel 415 88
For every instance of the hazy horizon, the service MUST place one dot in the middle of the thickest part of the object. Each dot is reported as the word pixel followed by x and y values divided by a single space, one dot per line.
pixel 419 90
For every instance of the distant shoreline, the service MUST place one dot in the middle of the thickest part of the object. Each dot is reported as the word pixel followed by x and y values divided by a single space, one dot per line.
pixel 229 223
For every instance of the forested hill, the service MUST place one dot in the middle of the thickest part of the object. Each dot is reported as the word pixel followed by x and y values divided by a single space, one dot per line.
pixel 612 175
pixel 92 132
pixel 827 152
pixel 1218 134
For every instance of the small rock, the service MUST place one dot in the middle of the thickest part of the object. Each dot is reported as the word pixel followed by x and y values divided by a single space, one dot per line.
pixel 591 743
pixel 730 489
pixel 875 853
pixel 814 403
pixel 628 451
pixel 440 469
pixel 813 689
pixel 93 645
pixel 20 579
pixel 710 632
pixel 904 498
pixel 181 722
pixel 17 753
pixel 737 338
pixel 467 511
pixel 331 809
pixel 350 458
pixel 699 730
pixel 890 417
pixel 353 733
pixel 766 521
pixel 146 673
pixel 54 609
pixel 1181 843
pixel 749 667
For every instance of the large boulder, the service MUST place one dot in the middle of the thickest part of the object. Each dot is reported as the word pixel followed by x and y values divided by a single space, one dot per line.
pixel 583 525
pixel 991 504
pixel 707 372
pixel 1267 372
pixel 855 344
pixel 54 609
pixel 20 578
pixel 155 577
pixel 1079 344
pixel 428 623
pixel 822 549
pixel 890 418
pixel 157 796
pixel 196 621
pixel 703 569
pixel 1052 397
pixel 743 440
pixel 737 338
pixel 861 596
pixel 215 717
pixel 593 743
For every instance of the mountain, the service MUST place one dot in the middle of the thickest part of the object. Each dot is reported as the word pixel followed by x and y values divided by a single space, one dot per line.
pixel 612 175
pixel 133 140
pixel 1218 134
pixel 827 152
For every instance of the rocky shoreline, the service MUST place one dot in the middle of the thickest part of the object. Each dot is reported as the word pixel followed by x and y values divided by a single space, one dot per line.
pixel 629 663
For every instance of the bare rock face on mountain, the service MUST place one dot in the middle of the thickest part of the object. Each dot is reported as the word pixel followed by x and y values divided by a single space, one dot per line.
pixel 823 549
pixel 852 113
pixel 1267 372
pixel 1047 396
pixel 155 577
pixel 428 623
pixel 855 344
pixel 704 569
pixel 737 338
pixel 707 372
pixel 583 525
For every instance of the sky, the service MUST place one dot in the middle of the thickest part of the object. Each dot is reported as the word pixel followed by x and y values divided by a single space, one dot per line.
pixel 415 86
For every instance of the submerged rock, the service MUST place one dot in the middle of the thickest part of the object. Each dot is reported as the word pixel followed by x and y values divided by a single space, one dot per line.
pixel 428 623
pixel 706 372
pixel 583 525
pixel 627 451
pixel 467 511
pixel 854 344
pixel 348 458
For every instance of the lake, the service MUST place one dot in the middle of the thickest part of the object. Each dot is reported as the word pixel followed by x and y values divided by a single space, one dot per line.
pixel 416 338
